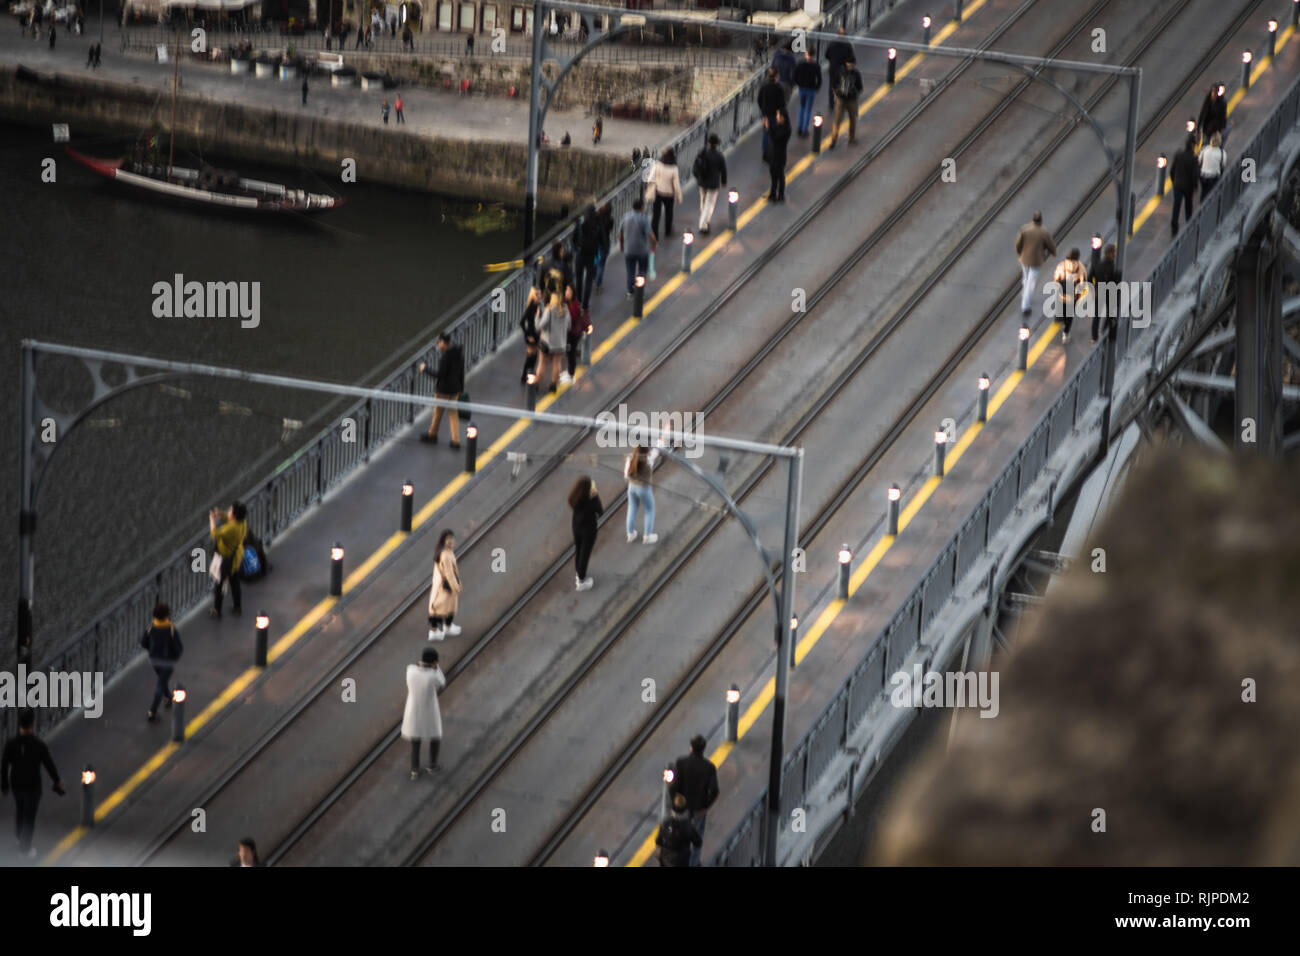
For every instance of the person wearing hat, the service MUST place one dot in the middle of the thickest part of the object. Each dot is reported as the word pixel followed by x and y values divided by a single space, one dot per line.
pixel 695 779
pixel 678 839
pixel 422 719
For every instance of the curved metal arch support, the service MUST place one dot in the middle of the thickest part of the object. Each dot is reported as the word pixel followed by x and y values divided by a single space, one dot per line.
pixel 741 516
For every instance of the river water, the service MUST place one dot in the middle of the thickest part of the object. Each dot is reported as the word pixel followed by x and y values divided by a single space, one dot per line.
pixel 339 295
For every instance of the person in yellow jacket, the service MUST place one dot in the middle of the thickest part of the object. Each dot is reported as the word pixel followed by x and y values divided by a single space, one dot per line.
pixel 229 538
pixel 444 597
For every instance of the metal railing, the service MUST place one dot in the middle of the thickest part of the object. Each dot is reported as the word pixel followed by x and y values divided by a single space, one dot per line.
pixel 484 320
pixel 832 728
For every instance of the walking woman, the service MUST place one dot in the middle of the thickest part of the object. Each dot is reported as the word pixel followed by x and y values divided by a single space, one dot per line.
pixel 422 718
pixel 163 642
pixel 229 538
pixel 1212 160
pixel 528 325
pixel 552 328
pixel 639 471
pixel 444 597
pixel 666 184
pixel 585 502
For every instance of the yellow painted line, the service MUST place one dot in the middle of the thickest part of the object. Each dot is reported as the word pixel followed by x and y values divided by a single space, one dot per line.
pixel 1284 37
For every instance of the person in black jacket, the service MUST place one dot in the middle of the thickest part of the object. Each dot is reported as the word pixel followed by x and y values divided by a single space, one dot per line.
pixel 710 179
pixel 163 642
pixel 1184 174
pixel 1104 272
pixel 848 87
pixel 528 325
pixel 778 130
pixel 1214 113
pixel 20 768
pixel 678 839
pixel 247 854
pixel 837 54
pixel 696 779
pixel 585 502
pixel 449 383
pixel 605 215
pixel 587 236
pixel 808 77
pixel 771 97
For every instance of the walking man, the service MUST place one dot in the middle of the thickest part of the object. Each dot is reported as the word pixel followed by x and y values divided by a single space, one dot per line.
pixel 711 176
pixel 1033 245
pixel 304 91
pixel 449 382
pixel 397 106
pixel 808 77
pixel 229 538
pixel 695 779
pixel 771 97
pixel 163 643
pixel 678 840
pixel 20 768
pixel 778 130
pixel 837 54
pixel 636 240
pixel 1184 174
pixel 422 720
pixel 847 90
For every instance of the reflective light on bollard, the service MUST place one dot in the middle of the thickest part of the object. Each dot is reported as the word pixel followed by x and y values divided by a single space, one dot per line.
pixel 1022 354
pixel 846 563
pixel 471 449
pixel 1096 241
pixel 1191 126
pixel 586 345
pixel 895 494
pixel 1162 173
pixel 666 804
pixel 88 796
pixel 336 570
pixel 1245 69
pixel 408 499
pixel 794 638
pixel 733 715
pixel 1272 37
pixel 926 23
pixel 638 298
pixel 817 133
pixel 891 65
pixel 956 10
pixel 531 392
pixel 940 444
pixel 602 859
pixel 733 200
pixel 259 646
pixel 983 385
pixel 688 247
pixel 178 714
pixel 1295 13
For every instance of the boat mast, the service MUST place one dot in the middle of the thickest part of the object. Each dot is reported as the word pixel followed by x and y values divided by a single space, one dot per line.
pixel 176 76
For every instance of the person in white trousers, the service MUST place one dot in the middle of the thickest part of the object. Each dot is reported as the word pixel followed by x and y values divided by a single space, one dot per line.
pixel 1033 245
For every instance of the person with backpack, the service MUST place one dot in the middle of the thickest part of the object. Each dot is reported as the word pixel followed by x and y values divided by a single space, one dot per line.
pixel 556 274
pixel 449 382
pixel 710 172
pixel 578 322
pixel 422 717
pixel 808 77
pixel 677 836
pixel 163 642
pixel 553 323
pixel 528 325
pixel 847 90
pixel 636 240
pixel 229 546
pixel 695 777
pixel 587 236
pixel 783 62
pixel 838 52
pixel 444 592
pixel 639 469
pixel 778 129
pixel 1212 161
pixel 587 508
pixel 664 190
pixel 1072 280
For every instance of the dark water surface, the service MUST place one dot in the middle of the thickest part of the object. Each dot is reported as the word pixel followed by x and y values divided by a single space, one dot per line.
pixel 339 295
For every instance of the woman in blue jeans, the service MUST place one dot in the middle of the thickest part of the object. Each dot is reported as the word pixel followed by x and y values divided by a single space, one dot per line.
pixel 639 471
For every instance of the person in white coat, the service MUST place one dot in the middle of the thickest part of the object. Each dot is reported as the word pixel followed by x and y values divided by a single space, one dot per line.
pixel 664 190
pixel 422 719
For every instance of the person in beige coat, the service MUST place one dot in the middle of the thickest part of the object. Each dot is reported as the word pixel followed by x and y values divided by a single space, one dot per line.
pixel 444 597
pixel 1033 245
pixel 422 718
pixel 664 189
